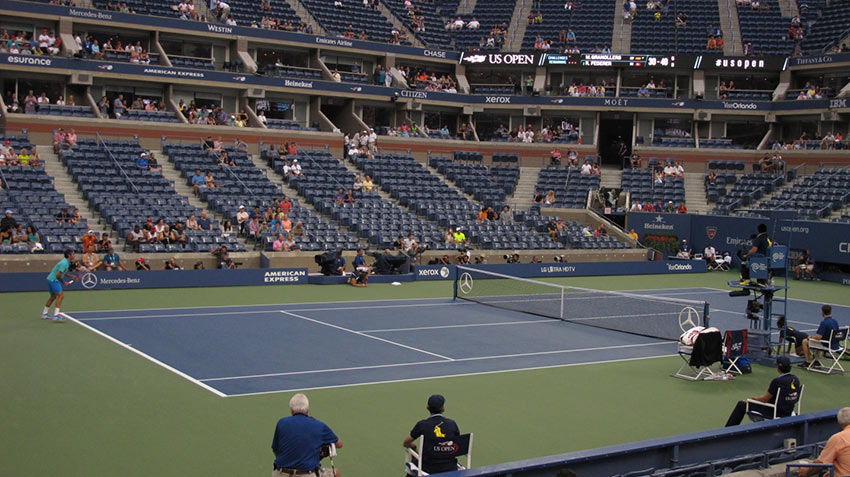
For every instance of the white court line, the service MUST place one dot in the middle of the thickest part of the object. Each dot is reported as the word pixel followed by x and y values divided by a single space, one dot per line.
pixel 367 336
pixel 457 360
pixel 469 325
pixel 427 378
pixel 249 312
pixel 147 356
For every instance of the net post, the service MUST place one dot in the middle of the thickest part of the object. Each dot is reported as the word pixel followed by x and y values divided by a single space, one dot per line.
pixel 562 304
pixel 454 291
pixel 706 319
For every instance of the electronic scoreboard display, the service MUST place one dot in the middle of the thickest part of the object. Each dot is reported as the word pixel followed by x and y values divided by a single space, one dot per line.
pixel 613 61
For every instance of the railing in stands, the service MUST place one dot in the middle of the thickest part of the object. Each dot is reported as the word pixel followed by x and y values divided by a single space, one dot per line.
pixel 102 144
pixel 325 171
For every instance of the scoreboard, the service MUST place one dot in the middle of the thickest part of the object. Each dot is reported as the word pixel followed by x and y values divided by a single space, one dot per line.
pixel 612 60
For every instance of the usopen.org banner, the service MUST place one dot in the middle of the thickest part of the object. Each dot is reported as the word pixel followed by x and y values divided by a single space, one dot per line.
pixel 20 282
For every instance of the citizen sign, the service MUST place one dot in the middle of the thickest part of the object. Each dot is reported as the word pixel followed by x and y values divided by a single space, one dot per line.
pixel 405 93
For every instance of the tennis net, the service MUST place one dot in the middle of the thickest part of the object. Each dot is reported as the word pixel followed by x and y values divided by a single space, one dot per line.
pixel 653 316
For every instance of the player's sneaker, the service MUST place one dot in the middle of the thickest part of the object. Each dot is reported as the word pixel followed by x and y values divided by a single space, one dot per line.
pixel 46 316
pixel 59 318
pixel 745 282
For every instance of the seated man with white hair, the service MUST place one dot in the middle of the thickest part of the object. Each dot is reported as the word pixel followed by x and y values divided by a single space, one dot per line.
pixel 837 449
pixel 298 442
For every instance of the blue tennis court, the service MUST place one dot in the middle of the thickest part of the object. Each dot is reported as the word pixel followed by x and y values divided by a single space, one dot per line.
pixel 244 350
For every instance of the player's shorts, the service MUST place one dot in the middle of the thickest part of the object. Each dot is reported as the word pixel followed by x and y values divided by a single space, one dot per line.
pixel 796 337
pixel 54 287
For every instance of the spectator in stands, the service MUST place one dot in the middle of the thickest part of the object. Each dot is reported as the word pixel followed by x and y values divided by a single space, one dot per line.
pixel 63 215
pixel 837 449
pixel 112 261
pixel 198 182
pixel 682 19
pixel 368 185
pixel 209 181
pixel 550 198
pixel 636 206
pixel 192 223
pixel 33 239
pixel 786 385
pixel 119 106
pixel 458 236
pixel 632 234
pixel 682 209
pixel 204 222
pixel 555 157
pixel 278 244
pixel 142 161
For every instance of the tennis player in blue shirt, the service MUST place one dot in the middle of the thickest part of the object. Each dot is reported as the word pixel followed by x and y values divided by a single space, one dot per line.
pixel 54 284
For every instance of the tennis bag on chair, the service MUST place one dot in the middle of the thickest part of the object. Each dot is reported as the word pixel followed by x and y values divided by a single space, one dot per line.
pixel 743 364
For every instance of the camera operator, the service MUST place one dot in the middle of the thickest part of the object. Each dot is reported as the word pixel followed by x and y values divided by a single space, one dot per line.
pixel 224 260
pixel 444 260
pixel 360 277
pixel 560 259
pixel 463 257
pixel 511 258
pixel 480 259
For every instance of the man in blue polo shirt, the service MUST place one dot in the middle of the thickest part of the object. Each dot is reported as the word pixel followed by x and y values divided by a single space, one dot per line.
pixel 826 330
pixel 54 284
pixel 298 442
pixel 198 182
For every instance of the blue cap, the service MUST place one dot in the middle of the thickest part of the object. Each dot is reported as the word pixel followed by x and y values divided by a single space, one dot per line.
pixel 435 402
pixel 783 361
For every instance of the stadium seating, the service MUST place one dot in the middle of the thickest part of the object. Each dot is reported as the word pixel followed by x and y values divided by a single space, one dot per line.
pixel 488 14
pixel 591 22
pixel 287 124
pixel 643 189
pixel 649 36
pixel 293 72
pixel 126 196
pixel 335 21
pixel 746 191
pixel 71 111
pixel 434 35
pixel 816 196
pixel 572 234
pixel 830 24
pixel 246 11
pixel 488 185
pixel 155 116
pixel 374 219
pixel 246 185
pixel 413 185
pixel 766 29
pixel 30 195
pixel 569 184
pixel 188 62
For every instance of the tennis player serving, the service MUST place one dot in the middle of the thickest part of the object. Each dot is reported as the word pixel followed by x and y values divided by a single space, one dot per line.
pixel 54 284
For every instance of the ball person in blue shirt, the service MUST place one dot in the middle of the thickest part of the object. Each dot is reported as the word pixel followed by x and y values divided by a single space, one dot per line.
pixel 298 442
pixel 54 284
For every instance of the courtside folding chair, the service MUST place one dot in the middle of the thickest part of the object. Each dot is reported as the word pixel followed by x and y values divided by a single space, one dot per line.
pixel 695 367
pixel 828 353
pixel 462 446
pixel 756 409
pixel 735 346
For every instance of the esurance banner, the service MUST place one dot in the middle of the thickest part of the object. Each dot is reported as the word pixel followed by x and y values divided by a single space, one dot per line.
pixel 100 280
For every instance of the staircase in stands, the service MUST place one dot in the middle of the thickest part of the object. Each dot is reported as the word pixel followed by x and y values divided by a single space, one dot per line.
pixel 64 184
pixel 519 22
pixel 621 39
pixel 306 16
pixel 695 197
pixel 523 196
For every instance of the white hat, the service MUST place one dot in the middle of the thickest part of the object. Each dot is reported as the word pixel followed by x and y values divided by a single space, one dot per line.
pixel 241 207
pixel 144 154
pixel 91 231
